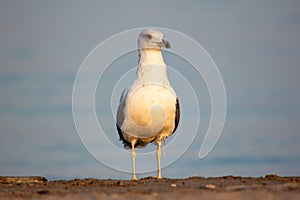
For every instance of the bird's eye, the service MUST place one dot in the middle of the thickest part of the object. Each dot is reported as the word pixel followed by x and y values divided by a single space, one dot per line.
pixel 148 36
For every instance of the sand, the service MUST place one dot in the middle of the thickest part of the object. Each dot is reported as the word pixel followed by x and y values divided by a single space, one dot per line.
pixel 227 187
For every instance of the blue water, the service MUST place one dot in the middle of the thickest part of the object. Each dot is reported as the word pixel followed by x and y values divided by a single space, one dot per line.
pixel 254 44
pixel 38 137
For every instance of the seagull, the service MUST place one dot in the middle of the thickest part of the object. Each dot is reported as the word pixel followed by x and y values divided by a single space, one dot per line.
pixel 148 111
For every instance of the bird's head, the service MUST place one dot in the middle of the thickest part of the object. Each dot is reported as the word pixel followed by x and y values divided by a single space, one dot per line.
pixel 152 39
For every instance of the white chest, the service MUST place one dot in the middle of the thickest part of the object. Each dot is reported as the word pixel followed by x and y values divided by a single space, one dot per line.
pixel 149 109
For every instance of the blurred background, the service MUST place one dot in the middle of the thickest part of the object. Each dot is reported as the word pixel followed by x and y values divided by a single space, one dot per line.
pixel 255 44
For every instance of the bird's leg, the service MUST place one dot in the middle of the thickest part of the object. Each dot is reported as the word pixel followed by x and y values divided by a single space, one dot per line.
pixel 158 155
pixel 133 155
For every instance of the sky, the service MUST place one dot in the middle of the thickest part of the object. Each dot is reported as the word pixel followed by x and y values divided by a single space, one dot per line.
pixel 255 44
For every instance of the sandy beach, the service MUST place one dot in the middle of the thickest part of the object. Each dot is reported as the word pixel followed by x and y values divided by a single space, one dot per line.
pixel 227 187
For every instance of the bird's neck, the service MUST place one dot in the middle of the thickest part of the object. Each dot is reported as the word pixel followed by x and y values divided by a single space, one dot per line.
pixel 152 67
pixel 151 57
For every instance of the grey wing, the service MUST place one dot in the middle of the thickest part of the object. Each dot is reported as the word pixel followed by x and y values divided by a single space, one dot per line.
pixel 120 112
pixel 177 115
pixel 121 116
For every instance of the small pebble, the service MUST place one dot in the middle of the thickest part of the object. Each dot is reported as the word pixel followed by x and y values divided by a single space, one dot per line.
pixel 154 194
pixel 210 186
pixel 173 185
